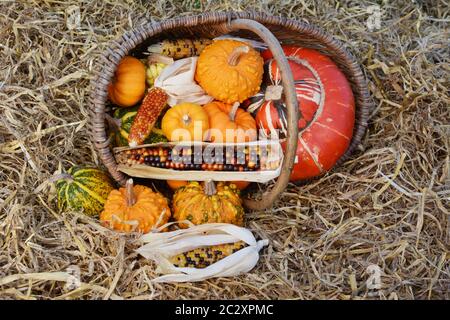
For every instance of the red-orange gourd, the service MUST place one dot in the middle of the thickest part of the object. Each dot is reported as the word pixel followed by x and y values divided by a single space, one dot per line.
pixel 326 104
pixel 128 85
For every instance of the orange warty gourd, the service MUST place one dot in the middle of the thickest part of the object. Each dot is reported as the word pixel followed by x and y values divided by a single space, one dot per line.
pixel 128 85
pixel 135 208
pixel 185 122
pixel 228 123
pixel 229 70
pixel 208 203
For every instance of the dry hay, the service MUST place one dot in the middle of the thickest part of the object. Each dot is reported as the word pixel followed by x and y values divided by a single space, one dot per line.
pixel 388 206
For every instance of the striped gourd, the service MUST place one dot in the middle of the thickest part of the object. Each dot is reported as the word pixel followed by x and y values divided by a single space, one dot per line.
pixel 83 189
pixel 205 256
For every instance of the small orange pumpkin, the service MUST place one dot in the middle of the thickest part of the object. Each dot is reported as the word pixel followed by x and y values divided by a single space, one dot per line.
pixel 135 208
pixel 128 85
pixel 229 70
pixel 175 184
pixel 185 122
pixel 241 185
pixel 228 123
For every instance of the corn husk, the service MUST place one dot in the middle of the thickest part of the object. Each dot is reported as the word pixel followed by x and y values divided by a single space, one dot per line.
pixel 161 246
pixel 177 80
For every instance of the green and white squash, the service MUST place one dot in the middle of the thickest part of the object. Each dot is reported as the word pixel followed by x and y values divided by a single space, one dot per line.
pixel 83 189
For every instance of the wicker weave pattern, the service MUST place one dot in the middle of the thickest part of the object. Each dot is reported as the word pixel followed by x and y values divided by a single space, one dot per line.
pixel 212 24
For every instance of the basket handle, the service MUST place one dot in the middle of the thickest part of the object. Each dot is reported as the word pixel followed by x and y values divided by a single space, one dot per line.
pixel 292 110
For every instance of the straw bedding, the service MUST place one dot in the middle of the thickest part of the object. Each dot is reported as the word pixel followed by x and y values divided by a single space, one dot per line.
pixel 387 207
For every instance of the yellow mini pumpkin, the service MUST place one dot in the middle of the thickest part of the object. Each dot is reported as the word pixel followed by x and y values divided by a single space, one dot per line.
pixel 185 122
pixel 229 70
pixel 208 203
pixel 135 208
pixel 128 85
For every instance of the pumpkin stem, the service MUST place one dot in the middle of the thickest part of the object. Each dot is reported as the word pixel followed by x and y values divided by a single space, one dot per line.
pixel 129 193
pixel 236 54
pixel 210 188
pixel 186 119
pixel 233 111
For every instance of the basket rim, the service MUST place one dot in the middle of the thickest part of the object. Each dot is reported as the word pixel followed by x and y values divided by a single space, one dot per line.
pixel 105 67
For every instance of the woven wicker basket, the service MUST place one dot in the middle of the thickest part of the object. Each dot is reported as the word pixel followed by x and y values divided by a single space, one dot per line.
pixel 247 25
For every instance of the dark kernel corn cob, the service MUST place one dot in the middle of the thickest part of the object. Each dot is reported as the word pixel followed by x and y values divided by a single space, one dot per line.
pixel 190 158
pixel 203 257
pixel 181 48
pixel 147 114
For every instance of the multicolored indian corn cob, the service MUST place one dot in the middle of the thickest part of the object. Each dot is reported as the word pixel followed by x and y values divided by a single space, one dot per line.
pixel 194 158
pixel 152 105
pixel 203 257
pixel 180 48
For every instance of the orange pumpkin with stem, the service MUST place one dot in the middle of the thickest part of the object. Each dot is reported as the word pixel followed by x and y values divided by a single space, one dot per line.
pixel 185 122
pixel 135 208
pixel 128 85
pixel 228 123
pixel 229 70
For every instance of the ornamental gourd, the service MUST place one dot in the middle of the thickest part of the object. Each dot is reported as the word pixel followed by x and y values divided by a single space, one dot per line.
pixel 228 123
pixel 327 109
pixel 185 122
pixel 229 70
pixel 128 85
pixel 135 208
pixel 83 189
pixel 208 203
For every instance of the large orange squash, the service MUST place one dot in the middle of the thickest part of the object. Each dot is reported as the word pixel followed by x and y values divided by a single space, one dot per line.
pixel 228 123
pixel 128 85
pixel 135 208
pixel 326 104
pixel 229 70
pixel 185 122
